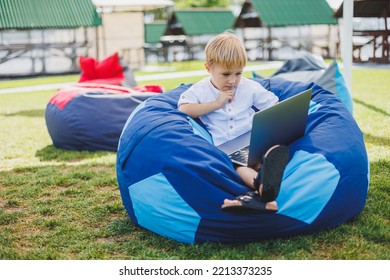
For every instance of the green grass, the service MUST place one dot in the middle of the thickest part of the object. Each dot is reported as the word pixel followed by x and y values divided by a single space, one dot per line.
pixel 58 204
pixel 11 83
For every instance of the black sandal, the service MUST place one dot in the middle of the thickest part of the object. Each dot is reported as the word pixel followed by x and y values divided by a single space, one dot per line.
pixel 271 173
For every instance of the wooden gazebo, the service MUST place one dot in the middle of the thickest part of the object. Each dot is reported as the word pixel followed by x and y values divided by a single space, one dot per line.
pixel 192 28
pixel 32 32
pixel 271 14
pixel 376 38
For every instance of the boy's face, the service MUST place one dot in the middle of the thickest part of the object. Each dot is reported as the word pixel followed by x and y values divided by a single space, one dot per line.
pixel 222 78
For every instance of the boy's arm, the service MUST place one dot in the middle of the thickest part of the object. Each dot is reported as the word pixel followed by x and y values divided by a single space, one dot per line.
pixel 195 110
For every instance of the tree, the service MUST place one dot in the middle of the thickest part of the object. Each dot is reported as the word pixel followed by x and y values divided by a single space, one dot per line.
pixel 201 3
pixel 162 14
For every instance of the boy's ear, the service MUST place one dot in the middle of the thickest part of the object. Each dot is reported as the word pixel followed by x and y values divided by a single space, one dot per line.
pixel 208 67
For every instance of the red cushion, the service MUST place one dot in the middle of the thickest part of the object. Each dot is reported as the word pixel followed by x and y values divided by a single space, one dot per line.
pixel 108 71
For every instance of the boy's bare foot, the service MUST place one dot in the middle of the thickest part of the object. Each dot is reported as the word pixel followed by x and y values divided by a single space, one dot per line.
pixel 269 205
pixel 267 183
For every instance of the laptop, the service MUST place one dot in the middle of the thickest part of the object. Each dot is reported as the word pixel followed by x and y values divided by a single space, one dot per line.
pixel 280 124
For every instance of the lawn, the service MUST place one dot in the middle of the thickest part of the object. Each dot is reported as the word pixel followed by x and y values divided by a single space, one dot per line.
pixel 58 204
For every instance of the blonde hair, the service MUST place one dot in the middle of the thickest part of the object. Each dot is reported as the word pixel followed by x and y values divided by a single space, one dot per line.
pixel 227 50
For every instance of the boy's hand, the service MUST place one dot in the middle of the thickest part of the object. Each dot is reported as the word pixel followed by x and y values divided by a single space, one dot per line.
pixel 225 96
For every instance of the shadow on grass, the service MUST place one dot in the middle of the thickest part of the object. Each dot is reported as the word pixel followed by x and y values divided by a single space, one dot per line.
pixel 51 153
pixel 28 113
pixel 371 107
pixel 368 138
pixel 380 175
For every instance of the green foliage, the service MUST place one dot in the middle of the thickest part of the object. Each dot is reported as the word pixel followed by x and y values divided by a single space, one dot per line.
pixel 201 3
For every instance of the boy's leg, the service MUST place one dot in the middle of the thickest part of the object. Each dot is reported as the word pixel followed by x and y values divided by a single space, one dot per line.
pixel 247 174
pixel 266 181
pixel 270 176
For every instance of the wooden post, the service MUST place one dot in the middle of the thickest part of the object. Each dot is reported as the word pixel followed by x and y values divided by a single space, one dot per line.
pixel 44 52
pixel 269 39
pixel 31 52
pixel 385 42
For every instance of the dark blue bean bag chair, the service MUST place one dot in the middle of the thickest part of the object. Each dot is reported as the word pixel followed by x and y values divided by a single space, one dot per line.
pixel 91 116
pixel 173 180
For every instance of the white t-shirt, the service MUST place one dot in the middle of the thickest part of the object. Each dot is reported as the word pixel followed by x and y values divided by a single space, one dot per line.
pixel 234 118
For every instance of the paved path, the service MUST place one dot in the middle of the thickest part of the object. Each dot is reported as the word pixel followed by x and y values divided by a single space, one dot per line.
pixel 152 77
pixel 175 75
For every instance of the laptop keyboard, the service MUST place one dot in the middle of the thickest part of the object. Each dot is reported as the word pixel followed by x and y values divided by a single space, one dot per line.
pixel 240 155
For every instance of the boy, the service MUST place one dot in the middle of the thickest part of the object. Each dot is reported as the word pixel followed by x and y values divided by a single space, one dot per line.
pixel 224 103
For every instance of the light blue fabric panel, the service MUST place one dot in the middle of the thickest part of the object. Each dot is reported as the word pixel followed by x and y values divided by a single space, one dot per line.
pixel 159 208
pixel 308 183
pixel 198 130
pixel 342 91
pixel 313 107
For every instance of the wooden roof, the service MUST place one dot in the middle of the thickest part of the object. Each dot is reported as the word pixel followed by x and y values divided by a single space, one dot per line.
pixel 154 31
pixel 47 14
pixel 199 21
pixel 367 9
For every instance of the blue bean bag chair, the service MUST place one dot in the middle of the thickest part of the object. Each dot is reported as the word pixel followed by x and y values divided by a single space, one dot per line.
pixel 308 68
pixel 173 180
pixel 91 116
